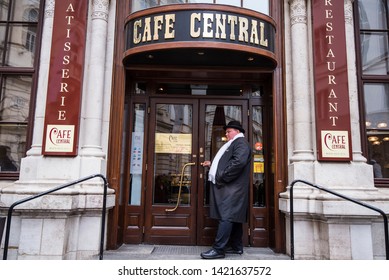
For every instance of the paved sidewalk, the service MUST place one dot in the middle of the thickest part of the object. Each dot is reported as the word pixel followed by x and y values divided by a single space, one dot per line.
pixel 174 252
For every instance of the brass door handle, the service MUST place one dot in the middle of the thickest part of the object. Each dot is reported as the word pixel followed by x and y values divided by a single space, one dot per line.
pixel 179 190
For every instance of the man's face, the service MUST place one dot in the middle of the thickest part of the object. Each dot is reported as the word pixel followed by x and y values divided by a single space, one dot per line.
pixel 231 132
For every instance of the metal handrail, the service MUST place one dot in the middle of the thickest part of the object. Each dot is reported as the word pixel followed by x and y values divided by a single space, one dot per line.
pixel 9 216
pixel 339 195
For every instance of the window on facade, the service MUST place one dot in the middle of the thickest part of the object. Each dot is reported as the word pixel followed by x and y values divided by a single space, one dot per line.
pixel 18 33
pixel 373 18
pixel 259 6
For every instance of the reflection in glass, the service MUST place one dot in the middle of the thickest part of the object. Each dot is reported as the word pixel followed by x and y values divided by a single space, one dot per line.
pixel 372 14
pixel 14 109
pixel 216 116
pixel 173 149
pixel 374 47
pixel 376 98
pixel 259 195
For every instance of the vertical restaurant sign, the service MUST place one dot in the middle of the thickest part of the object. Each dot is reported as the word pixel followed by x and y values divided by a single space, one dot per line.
pixel 333 129
pixel 62 115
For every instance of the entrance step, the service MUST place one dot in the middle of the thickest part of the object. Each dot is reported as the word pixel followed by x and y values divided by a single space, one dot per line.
pixel 174 252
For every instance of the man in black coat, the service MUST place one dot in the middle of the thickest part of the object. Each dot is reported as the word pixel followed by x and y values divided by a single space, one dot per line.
pixel 229 194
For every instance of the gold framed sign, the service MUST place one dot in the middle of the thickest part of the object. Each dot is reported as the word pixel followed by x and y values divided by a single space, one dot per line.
pixel 173 143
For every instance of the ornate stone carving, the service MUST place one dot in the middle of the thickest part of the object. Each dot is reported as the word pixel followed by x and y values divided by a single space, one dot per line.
pixel 49 9
pixel 100 9
pixel 348 11
pixel 298 11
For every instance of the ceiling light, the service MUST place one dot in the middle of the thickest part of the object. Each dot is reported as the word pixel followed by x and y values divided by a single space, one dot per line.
pixel 382 125
pixel 372 138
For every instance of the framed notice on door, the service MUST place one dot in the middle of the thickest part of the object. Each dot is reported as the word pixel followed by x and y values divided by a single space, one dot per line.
pixel 173 143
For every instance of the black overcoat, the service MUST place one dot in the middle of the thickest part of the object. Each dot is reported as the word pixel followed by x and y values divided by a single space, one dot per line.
pixel 229 196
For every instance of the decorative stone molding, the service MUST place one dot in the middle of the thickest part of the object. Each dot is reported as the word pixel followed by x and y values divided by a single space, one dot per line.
pixel 49 9
pixel 100 9
pixel 348 11
pixel 298 11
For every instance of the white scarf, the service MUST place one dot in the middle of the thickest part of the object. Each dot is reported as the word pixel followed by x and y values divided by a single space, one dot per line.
pixel 212 170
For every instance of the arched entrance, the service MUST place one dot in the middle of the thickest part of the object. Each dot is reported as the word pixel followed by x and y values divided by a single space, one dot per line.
pixel 178 91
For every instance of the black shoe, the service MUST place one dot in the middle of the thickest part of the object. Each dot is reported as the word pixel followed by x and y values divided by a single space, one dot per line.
pixel 212 254
pixel 231 250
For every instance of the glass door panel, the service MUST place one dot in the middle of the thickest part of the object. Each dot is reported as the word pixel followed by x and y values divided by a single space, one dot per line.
pixel 173 150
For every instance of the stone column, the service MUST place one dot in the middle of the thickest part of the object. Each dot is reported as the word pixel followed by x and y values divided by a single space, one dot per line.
pixel 36 147
pixel 93 95
pixel 302 100
pixel 353 84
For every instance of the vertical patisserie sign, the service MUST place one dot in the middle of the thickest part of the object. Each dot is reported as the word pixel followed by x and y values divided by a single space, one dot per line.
pixel 333 128
pixel 64 89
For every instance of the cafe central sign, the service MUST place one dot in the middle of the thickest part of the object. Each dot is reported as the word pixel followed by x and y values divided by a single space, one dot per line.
pixel 62 117
pixel 333 128
pixel 185 26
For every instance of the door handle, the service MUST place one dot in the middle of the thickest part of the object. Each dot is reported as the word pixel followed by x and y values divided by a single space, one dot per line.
pixel 180 187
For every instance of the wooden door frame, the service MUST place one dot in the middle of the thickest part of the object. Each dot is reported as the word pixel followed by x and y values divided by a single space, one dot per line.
pixel 182 214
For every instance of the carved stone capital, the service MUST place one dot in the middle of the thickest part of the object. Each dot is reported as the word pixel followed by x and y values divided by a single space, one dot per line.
pixel 298 11
pixel 100 9
pixel 49 9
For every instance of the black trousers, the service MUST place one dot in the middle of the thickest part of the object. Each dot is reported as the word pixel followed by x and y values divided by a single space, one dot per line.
pixel 229 234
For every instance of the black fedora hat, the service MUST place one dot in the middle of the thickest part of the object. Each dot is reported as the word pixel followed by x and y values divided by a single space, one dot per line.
pixel 234 124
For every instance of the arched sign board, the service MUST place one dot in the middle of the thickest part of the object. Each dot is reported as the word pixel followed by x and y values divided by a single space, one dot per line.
pixel 206 35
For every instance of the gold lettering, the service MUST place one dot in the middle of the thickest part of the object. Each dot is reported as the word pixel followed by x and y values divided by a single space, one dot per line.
pixel 264 42
pixel 158 22
pixel 208 20
pixel 254 33
pixel 137 36
pixel 147 30
pixel 232 21
pixel 243 29
pixel 220 26
pixel 194 33
pixel 169 28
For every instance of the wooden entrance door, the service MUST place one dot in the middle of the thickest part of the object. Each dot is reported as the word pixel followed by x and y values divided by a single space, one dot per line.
pixel 182 134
